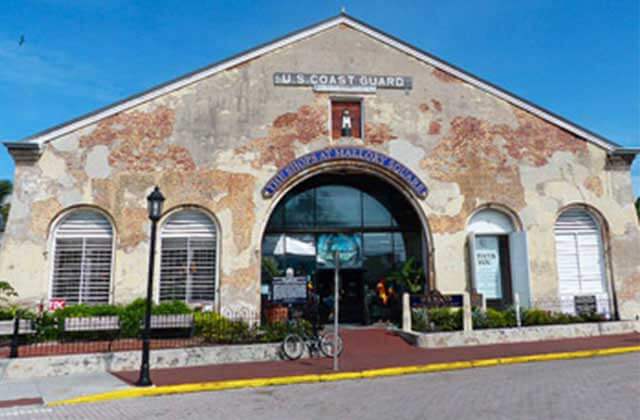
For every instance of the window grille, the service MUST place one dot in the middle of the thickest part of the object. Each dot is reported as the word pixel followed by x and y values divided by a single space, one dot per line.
pixel 82 258
pixel 188 258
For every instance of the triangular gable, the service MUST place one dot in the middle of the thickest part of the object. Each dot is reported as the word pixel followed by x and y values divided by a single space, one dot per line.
pixel 342 19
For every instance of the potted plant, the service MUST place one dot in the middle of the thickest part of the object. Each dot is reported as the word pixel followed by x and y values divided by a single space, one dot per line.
pixel 276 313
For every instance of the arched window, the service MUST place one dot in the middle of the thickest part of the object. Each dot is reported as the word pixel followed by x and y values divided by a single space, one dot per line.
pixel 579 254
pixel 83 248
pixel 499 258
pixel 188 259
pixel 489 245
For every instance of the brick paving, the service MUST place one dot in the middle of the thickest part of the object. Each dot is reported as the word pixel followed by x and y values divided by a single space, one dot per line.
pixel 21 401
pixel 374 348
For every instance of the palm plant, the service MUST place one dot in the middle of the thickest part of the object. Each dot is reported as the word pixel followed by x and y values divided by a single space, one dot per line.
pixel 410 276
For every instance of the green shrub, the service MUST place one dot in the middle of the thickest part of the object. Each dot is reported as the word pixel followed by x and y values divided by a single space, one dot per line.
pixel 420 320
pixel 531 317
pixel 479 319
pixel 500 319
pixel 46 327
pixel 593 317
pixel 6 314
pixel 215 328
pixel 174 307
pixel 493 318
pixel 277 331
pixel 83 310
pixel 436 319
pixel 506 318
pixel 446 319
pixel 131 315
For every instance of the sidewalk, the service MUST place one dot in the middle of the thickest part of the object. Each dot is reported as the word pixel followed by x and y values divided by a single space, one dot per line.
pixel 365 349
pixel 375 349
pixel 38 391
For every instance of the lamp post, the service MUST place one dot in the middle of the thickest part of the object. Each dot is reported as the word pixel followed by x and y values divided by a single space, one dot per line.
pixel 336 307
pixel 154 203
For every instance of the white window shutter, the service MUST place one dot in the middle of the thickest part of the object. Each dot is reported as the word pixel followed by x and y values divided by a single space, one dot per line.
pixel 519 252
pixel 188 258
pixel 473 268
pixel 82 258
pixel 579 254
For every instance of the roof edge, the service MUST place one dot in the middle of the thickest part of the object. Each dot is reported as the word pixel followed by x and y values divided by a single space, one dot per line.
pixel 343 18
pixel 621 151
pixel 155 91
pixel 23 152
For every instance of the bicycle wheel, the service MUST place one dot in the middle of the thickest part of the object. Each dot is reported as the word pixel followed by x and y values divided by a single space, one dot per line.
pixel 327 344
pixel 293 346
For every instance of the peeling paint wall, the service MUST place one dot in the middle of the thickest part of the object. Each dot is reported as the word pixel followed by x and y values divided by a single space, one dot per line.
pixel 216 142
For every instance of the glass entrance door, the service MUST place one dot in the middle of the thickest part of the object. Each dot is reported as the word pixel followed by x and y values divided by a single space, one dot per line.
pixel 351 295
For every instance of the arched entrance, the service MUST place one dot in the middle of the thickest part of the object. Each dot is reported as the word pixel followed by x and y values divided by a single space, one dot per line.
pixel 374 225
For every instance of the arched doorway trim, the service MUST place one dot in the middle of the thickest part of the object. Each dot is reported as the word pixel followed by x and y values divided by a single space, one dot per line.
pixel 365 215
pixel 342 153
pixel 350 166
pixel 507 211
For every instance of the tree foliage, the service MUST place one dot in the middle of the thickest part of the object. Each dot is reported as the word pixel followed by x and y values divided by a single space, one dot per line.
pixel 6 188
pixel 6 292
pixel 638 206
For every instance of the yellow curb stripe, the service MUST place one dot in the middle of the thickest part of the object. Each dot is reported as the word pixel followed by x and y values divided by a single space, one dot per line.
pixel 344 376
pixel 484 363
pixel 395 371
pixel 340 376
pixel 617 350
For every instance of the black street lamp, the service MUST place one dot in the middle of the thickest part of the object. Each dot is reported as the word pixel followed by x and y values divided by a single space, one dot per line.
pixel 154 202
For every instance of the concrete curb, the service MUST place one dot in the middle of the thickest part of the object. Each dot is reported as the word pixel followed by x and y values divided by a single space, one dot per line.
pixel 332 377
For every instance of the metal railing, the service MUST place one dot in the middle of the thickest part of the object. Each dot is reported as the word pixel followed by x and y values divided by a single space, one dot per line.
pixel 47 335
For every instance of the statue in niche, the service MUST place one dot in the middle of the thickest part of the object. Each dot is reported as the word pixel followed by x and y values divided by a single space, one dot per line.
pixel 346 124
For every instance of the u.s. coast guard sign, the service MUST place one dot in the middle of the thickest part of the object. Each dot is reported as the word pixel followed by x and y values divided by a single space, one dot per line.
pixel 361 154
pixel 324 81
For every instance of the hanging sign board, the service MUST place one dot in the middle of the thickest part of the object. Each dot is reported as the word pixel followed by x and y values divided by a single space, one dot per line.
pixel 289 290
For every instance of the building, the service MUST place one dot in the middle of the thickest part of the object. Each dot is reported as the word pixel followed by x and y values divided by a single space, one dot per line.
pixel 1 228
pixel 337 135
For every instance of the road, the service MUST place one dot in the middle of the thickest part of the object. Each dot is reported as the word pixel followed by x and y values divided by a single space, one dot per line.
pixel 600 388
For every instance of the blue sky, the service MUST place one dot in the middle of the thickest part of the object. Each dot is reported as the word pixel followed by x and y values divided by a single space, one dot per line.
pixel 580 59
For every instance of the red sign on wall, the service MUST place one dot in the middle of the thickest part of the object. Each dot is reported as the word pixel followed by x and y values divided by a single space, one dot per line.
pixel 341 120
pixel 56 304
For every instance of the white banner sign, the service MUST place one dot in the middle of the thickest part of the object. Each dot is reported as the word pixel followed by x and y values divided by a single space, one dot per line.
pixel 489 276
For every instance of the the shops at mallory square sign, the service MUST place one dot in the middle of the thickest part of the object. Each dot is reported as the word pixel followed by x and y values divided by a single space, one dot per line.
pixel 345 81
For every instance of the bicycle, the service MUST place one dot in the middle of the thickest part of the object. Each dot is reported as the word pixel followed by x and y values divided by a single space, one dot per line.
pixel 293 344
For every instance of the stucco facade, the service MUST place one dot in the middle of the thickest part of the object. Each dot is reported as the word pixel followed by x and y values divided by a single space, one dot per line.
pixel 214 143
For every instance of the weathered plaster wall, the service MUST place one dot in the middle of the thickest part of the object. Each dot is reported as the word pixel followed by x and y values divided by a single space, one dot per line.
pixel 216 142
